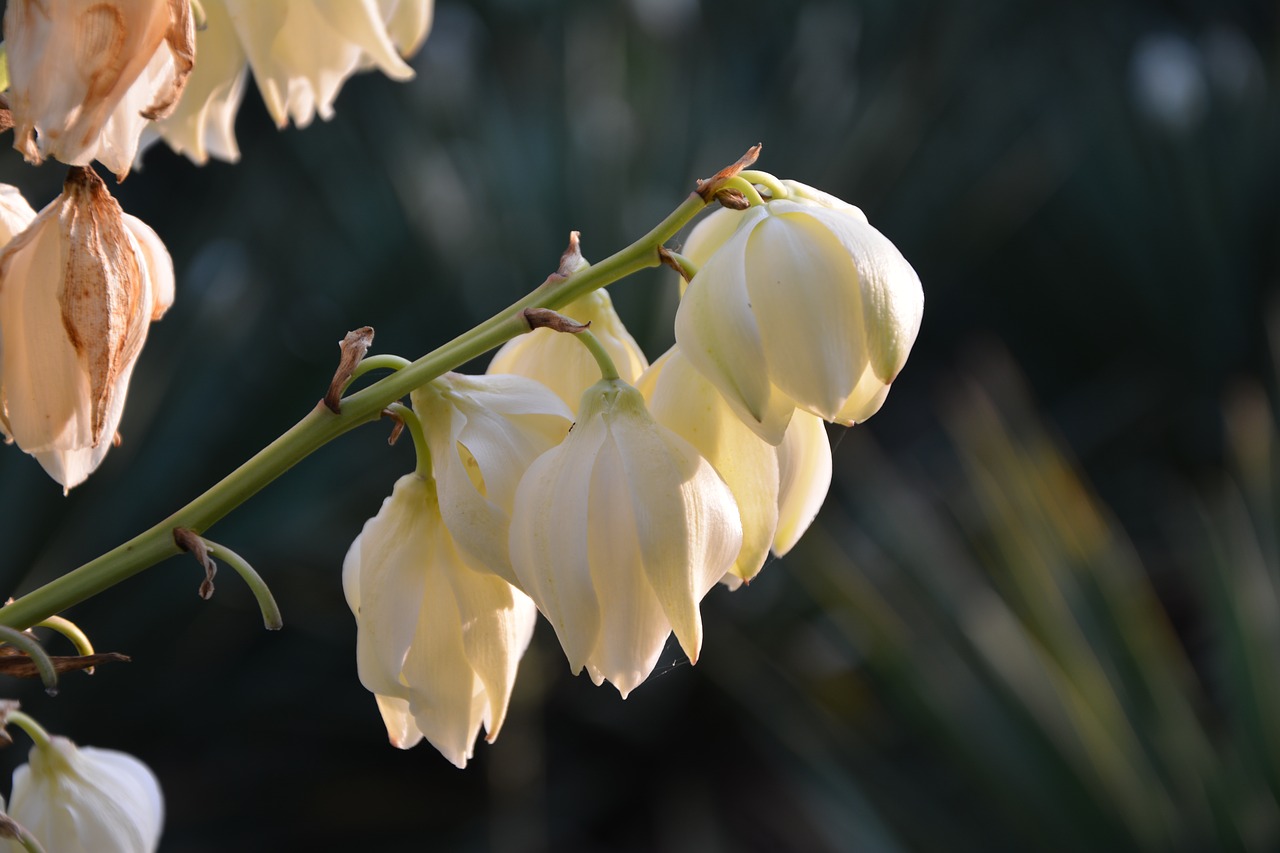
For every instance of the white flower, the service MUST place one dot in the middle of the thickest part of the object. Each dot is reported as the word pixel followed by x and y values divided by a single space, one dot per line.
pixel 300 51
pixel 778 490
pixel 86 800
pixel 563 364
pixel 618 533
pixel 438 640
pixel 78 290
pixel 484 431
pixel 803 305
pixel 85 76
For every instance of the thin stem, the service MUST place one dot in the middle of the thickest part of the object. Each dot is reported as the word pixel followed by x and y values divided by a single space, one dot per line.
pixel 385 361
pixel 39 657
pixel 607 369
pixel 72 632
pixel 420 447
pixel 271 618
pixel 321 426
pixel 34 730
pixel 776 188
pixel 747 188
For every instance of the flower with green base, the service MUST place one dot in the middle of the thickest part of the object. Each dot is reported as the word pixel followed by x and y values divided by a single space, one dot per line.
pixel 439 639
pixel 484 432
pixel 85 800
pixel 618 533
pixel 800 305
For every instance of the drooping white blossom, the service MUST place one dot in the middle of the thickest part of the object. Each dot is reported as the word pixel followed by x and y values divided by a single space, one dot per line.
pixel 300 53
pixel 803 305
pixel 438 640
pixel 562 363
pixel 778 490
pixel 86 800
pixel 618 533
pixel 79 288
pixel 484 432
pixel 85 76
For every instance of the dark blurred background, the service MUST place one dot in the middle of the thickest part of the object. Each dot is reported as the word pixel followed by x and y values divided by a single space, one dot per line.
pixel 1039 610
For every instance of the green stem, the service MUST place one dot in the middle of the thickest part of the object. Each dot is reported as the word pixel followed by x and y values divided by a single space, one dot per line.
pixel 39 657
pixel 747 188
pixel 271 617
pixel 608 371
pixel 35 731
pixel 72 632
pixel 420 447
pixel 775 187
pixel 321 426
pixel 385 361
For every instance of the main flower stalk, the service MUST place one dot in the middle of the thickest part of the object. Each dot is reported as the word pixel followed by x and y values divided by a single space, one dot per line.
pixel 321 426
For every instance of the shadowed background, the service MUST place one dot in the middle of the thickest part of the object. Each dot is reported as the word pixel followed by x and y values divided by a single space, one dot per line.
pixel 1035 612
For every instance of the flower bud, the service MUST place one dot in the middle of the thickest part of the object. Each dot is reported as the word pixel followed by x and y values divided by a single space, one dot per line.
pixel 86 75
pixel 78 290
pixel 778 490
pixel 803 305
pixel 565 365
pixel 438 641
pixel 618 533
pixel 86 800
pixel 484 432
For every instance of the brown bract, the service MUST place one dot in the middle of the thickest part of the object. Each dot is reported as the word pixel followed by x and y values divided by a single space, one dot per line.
pixel 708 188
pixel 102 292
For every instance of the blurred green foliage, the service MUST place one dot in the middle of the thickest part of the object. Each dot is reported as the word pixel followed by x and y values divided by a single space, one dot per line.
pixel 967 652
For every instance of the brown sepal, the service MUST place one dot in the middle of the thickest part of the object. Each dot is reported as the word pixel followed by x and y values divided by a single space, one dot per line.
pixel 709 188
pixel 571 259
pixel 353 346
pixel 16 664
pixel 397 425
pixel 545 318
pixel 668 259
pixel 732 199
pixel 188 540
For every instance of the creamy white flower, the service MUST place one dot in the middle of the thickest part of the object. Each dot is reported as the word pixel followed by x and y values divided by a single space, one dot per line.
pixel 778 490
pixel 85 76
pixel 203 124
pixel 484 432
pixel 300 51
pixel 86 800
pixel 15 213
pixel 804 476
pixel 79 288
pixel 803 305
pixel 438 641
pixel 563 364
pixel 618 533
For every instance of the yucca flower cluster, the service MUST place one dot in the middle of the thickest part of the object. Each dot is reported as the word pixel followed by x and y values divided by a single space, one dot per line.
pixel 81 282
pixel 612 494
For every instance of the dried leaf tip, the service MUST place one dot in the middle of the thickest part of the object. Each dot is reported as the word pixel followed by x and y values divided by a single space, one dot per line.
pixel 188 540
pixel 354 345
pixel 708 188
pixel 545 318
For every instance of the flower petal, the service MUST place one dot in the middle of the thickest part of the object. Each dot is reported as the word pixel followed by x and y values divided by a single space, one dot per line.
pixel 804 468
